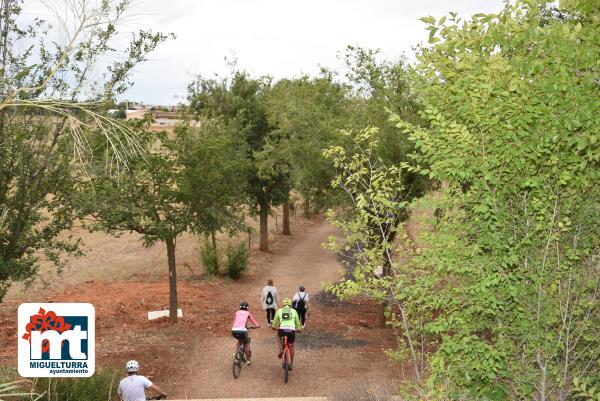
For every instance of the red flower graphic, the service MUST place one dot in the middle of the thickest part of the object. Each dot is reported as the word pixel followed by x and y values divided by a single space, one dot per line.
pixel 44 321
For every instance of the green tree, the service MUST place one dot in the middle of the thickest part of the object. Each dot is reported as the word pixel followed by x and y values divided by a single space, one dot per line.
pixel 144 198
pixel 214 177
pixel 190 180
pixel 307 113
pixel 45 125
pixel 377 196
pixel 378 87
pixel 507 286
pixel 240 103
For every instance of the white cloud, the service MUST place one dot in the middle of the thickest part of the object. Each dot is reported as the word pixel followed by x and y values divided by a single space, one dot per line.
pixel 274 37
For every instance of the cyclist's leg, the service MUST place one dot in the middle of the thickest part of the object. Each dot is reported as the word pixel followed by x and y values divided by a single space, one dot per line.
pixel 238 343
pixel 291 341
pixel 246 342
pixel 239 336
pixel 280 335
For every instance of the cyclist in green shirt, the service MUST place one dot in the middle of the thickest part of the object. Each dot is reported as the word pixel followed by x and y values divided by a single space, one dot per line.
pixel 287 323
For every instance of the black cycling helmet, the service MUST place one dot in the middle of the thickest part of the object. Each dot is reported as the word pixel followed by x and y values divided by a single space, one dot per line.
pixel 244 305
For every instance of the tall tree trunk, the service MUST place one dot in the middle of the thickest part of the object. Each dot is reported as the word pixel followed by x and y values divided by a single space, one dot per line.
pixel 306 207
pixel 214 240
pixel 264 229
pixel 172 279
pixel 286 219
pixel 380 320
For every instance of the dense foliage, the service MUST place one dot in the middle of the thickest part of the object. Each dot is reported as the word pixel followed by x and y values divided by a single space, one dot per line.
pixel 367 162
pixel 48 112
pixel 307 113
pixel 501 298
pixel 237 260
pixel 210 258
pixel 239 104
pixel 214 171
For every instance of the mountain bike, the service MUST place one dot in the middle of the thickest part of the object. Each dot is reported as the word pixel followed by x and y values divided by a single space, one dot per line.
pixel 286 359
pixel 239 358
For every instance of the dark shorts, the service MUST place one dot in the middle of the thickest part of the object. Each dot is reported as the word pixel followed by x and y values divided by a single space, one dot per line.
pixel 290 334
pixel 241 336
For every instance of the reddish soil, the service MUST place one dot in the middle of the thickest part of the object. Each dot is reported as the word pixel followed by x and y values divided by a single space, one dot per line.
pixel 192 359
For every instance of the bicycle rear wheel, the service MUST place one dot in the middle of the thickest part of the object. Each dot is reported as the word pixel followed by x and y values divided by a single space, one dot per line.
pixel 286 365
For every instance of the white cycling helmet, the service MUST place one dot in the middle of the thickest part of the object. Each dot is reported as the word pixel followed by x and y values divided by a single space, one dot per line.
pixel 132 366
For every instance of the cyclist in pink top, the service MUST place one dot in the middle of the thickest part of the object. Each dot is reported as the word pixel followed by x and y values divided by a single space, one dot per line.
pixel 240 331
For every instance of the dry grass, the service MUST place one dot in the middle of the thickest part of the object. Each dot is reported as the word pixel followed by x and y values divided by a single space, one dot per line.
pixel 124 259
pixel 371 390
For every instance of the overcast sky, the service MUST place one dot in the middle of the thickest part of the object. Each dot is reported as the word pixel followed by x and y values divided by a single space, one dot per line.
pixel 274 37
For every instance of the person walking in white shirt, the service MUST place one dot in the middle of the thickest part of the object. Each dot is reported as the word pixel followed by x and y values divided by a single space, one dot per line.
pixel 269 299
pixel 300 303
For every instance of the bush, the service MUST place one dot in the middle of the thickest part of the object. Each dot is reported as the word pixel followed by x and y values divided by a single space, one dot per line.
pixel 237 260
pixel 122 114
pixel 102 386
pixel 210 259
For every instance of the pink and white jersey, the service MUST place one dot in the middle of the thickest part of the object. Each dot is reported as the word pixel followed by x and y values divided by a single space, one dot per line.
pixel 241 319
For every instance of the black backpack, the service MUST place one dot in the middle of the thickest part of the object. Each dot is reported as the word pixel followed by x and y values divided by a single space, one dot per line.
pixel 299 304
pixel 269 298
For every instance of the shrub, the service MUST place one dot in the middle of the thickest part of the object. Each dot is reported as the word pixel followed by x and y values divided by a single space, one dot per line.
pixel 102 386
pixel 210 259
pixel 237 260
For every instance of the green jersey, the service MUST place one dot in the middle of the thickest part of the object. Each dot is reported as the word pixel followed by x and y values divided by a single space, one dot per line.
pixel 287 318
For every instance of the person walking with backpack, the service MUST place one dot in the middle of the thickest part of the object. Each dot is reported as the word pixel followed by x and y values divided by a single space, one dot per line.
pixel 269 300
pixel 300 303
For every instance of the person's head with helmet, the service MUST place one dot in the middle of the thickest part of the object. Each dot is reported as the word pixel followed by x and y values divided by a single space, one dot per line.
pixel 132 367
pixel 244 305
pixel 286 309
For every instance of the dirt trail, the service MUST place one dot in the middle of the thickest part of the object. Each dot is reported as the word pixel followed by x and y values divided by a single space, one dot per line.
pixel 193 358
pixel 305 263
pixel 318 370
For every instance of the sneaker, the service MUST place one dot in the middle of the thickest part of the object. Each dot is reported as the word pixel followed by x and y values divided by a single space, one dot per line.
pixel 290 367
pixel 279 355
pixel 249 362
pixel 235 356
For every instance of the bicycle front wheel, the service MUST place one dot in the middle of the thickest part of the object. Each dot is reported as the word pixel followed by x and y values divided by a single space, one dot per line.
pixel 286 366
